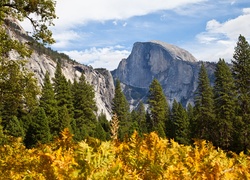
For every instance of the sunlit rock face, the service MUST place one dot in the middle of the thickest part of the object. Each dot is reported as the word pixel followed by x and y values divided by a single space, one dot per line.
pixel 40 62
pixel 175 68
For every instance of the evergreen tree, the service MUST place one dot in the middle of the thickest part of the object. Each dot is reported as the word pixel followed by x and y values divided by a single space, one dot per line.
pixel 18 90
pixel 120 107
pixel 180 123
pixel 241 74
pixel 158 107
pixel 14 128
pixel 84 106
pixel 38 131
pixel 204 114
pixel 63 97
pixel 49 104
pixel 105 125
pixel 191 119
pixel 99 132
pixel 141 118
pixel 224 105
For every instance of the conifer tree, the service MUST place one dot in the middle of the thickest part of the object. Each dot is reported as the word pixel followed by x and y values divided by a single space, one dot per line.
pixel 191 119
pixel 39 129
pixel 99 132
pixel 241 74
pixel 49 104
pixel 14 128
pixel 204 114
pixel 180 123
pixel 224 105
pixel 63 97
pixel 158 107
pixel 105 125
pixel 120 107
pixel 84 107
pixel 141 118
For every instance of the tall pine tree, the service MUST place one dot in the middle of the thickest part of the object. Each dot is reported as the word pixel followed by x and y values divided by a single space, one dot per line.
pixel 241 74
pixel 49 104
pixel 180 123
pixel 204 113
pixel 158 107
pixel 120 107
pixel 38 131
pixel 224 105
pixel 85 108
pixel 63 97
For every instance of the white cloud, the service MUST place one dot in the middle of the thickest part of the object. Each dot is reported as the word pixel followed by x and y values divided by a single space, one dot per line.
pixel 219 39
pixel 108 57
pixel 64 38
pixel 75 12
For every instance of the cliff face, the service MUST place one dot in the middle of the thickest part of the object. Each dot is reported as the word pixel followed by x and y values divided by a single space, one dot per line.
pixel 175 68
pixel 41 61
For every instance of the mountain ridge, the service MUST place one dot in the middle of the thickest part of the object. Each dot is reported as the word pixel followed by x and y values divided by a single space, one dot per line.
pixel 178 75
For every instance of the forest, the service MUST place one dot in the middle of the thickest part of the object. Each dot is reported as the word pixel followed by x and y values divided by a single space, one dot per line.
pixel 53 132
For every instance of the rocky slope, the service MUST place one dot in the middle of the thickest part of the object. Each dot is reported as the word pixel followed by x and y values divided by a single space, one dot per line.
pixel 44 59
pixel 175 68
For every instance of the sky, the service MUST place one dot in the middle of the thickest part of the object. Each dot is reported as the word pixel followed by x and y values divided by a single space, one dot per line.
pixel 101 33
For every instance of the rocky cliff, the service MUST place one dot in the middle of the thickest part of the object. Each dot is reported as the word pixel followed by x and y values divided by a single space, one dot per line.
pixel 175 68
pixel 44 59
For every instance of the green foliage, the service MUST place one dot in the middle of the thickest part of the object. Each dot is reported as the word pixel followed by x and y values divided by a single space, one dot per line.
pixel 138 117
pixel 121 109
pixel 63 97
pixel 158 106
pixel 180 121
pixel 204 112
pixel 84 108
pixel 241 74
pixel 38 131
pixel 224 105
pixel 14 128
pixel 21 9
pixel 49 104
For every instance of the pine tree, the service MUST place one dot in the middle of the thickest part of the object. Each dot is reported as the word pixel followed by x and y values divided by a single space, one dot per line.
pixel 14 128
pixel 99 132
pixel 105 125
pixel 120 107
pixel 204 119
pixel 63 97
pixel 191 119
pixel 141 118
pixel 180 123
pixel 241 74
pixel 18 90
pixel 49 104
pixel 38 131
pixel 224 105
pixel 158 107
pixel 84 107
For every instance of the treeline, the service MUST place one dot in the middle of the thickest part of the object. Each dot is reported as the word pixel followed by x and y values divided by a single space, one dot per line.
pixel 221 114
pixel 61 104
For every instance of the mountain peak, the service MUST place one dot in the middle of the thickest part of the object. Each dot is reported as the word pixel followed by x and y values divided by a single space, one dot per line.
pixel 177 52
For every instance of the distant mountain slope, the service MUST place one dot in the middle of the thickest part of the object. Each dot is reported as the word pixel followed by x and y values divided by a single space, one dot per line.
pixel 175 68
pixel 44 59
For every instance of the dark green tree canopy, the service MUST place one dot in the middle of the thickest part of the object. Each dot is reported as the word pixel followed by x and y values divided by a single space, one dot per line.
pixel 158 107
pixel 204 106
pixel 224 104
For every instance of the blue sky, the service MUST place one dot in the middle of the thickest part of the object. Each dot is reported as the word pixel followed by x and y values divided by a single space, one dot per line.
pixel 102 32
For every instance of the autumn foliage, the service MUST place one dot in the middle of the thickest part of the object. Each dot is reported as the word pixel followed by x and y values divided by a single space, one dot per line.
pixel 148 157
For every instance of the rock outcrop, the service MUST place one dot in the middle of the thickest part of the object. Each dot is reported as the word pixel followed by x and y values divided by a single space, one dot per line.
pixel 175 68
pixel 44 59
